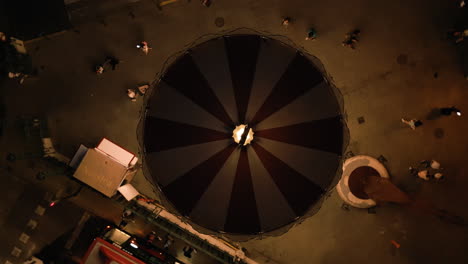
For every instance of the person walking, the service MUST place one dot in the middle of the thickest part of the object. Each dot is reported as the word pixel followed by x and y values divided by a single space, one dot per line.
pixel 188 250
pixel 439 176
pixel 113 61
pixel 143 46
pixel 423 174
pixel 127 216
pixel 206 3
pixel 449 110
pixel 142 89
pixel 413 123
pixel 131 93
pixel 435 165
pixel 3 37
pixel 286 21
pixel 168 243
pixel 351 39
pixel 151 237
pixel 99 69
pixel 311 34
pixel 139 91
pixel 122 224
pixel 459 36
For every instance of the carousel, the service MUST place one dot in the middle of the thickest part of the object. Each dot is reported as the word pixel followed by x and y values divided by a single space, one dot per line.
pixel 243 134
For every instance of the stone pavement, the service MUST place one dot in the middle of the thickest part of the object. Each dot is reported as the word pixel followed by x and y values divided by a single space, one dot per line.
pixel 28 224
pixel 389 76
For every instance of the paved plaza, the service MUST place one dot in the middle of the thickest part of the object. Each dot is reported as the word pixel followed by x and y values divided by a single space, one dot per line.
pixel 403 67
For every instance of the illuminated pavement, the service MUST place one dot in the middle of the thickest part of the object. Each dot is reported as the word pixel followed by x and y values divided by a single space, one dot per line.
pixel 389 76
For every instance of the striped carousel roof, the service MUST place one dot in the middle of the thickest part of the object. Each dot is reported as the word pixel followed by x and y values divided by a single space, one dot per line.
pixel 281 95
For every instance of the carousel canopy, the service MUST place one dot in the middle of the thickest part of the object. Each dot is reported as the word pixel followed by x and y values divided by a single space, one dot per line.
pixel 243 134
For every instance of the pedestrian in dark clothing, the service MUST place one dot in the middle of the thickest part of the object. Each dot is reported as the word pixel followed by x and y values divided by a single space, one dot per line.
pixel 112 61
pixel 188 251
pixel 142 89
pixel 425 163
pixel 449 110
pixel 123 224
pixel 151 237
pixel 311 34
pixel 127 216
pixel 351 39
pixel 168 242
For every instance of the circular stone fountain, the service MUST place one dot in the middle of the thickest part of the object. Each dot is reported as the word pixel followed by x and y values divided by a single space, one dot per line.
pixel 350 188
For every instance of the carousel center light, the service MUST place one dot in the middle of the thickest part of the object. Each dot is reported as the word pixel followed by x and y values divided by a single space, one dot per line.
pixel 240 131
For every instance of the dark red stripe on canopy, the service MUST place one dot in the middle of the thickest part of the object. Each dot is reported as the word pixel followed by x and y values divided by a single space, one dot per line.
pixel 186 190
pixel 300 76
pixel 242 52
pixel 295 187
pixel 185 77
pixel 242 212
pixel 324 134
pixel 161 134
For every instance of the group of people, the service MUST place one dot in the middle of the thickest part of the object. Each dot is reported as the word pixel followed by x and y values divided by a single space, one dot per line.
pixel 109 61
pixel 458 36
pixel 112 62
pixel 350 41
pixel 16 64
pixel 139 91
pixel 427 169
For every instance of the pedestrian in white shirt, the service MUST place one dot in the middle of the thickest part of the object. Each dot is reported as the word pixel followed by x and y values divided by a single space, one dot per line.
pixel 413 123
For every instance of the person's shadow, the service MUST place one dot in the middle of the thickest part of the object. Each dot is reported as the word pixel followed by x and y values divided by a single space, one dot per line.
pixel 433 114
